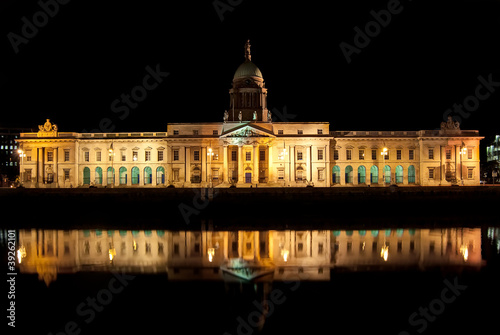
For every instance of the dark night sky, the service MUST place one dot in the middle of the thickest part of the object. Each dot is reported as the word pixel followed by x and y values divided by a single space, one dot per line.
pixel 426 59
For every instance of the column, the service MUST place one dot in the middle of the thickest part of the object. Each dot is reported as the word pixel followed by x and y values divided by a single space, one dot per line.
pixel 270 169
pixel 225 173
pixel 441 163
pixel 421 171
pixel 56 171
pixel 309 163
pixel 41 158
pixel 328 171
pixel 204 160
pixel 256 157
pixel 168 165
pixel 291 164
pixel 187 165
pixel 240 164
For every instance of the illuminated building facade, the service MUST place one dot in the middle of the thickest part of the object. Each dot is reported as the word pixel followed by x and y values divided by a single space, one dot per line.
pixel 248 149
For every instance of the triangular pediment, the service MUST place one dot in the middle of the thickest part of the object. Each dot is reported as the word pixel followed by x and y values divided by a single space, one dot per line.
pixel 247 130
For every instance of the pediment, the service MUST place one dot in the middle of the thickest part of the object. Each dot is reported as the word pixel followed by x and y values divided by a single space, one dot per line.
pixel 247 131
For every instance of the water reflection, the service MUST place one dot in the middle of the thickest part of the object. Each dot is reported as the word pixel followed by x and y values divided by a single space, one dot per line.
pixel 247 256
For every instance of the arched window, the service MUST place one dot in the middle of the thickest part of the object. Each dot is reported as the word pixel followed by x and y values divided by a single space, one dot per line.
pixel 348 174
pixel 110 176
pixel 374 174
pixel 387 174
pixel 399 174
pixel 135 175
pixel 361 175
pixel 336 174
pixel 98 175
pixel 123 175
pixel 86 176
pixel 148 175
pixel 411 174
pixel 160 175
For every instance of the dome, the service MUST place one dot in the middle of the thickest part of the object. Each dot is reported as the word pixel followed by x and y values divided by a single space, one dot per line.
pixel 247 69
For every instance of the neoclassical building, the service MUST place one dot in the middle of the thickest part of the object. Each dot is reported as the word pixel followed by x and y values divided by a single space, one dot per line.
pixel 248 149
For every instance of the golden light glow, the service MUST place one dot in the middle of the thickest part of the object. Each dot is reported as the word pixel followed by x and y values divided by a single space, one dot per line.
pixel 112 254
pixel 211 253
pixel 384 252
pixel 464 250
pixel 284 253
pixel 135 245
pixel 21 253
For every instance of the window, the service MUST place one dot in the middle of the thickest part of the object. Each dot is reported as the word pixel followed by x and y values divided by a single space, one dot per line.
pixel 320 131
pixel 386 156
pixel 321 174
pixel 335 155
pixel 27 174
pixel 470 173
pixel 280 131
pixel 374 154
pixel 28 155
pixel 176 155
pixel 411 152
pixel 248 156
pixel 50 156
pixel 215 132
pixel 195 132
pixel 320 248
pixel 300 131
pixel 66 174
pixel 320 154
pixel 124 156
pixel 66 155
pixel 135 155
pixel 86 156
pixel 398 154
pixel 147 156
pixel 348 154
pixel 431 153
pixel 196 155
pixel 176 132
pixel 262 155
pixel 175 173
pixel 299 155
pixel 98 156
pixel 281 174
pixel 160 155
pixel 469 153
pixel 431 173
pixel 233 156
pixel 361 154
pixel 448 153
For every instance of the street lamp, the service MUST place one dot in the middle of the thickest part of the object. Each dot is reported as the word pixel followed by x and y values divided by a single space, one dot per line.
pixel 210 154
pixel 21 155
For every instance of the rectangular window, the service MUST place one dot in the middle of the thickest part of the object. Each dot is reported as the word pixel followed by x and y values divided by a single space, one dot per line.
pixel 86 156
pixel 398 154
pixel 431 173
pixel 98 156
pixel 233 156
pixel 470 173
pixel 176 132
pixel 299 155
pixel 135 155
pixel 448 153
pixel 320 154
pixel 321 174
pixel 248 156
pixel 28 155
pixel 300 131
pixel 320 131
pixel 411 152
pixel 320 248
pixel 431 153
pixel 50 156
pixel 281 174
pixel 374 154
pixel 262 155
pixel 386 156
pixel 215 132
pixel 66 155
pixel 110 156
pixel 27 174
pixel 196 155
pixel 160 155
pixel 147 156
pixel 176 155
pixel 280 131
pixel 469 153
pixel 66 174
pixel 124 156
pixel 348 154
pixel 335 155
pixel 195 132
pixel 361 154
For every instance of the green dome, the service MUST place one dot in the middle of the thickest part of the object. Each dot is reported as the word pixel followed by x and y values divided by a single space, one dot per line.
pixel 247 69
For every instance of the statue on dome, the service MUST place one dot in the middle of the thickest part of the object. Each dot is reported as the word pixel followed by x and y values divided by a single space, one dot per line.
pixel 240 116
pixel 254 115
pixel 226 115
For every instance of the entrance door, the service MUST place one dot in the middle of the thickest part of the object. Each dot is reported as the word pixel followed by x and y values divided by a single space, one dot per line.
pixel 248 177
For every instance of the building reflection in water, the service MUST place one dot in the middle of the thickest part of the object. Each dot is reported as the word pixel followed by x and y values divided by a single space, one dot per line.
pixel 273 255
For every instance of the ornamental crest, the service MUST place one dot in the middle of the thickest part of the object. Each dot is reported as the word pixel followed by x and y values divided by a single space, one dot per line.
pixel 47 129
